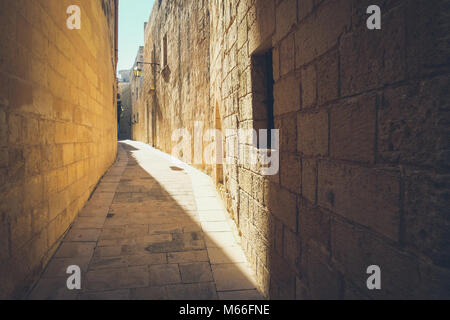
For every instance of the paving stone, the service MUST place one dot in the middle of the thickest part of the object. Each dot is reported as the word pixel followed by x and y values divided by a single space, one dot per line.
pixel 117 221
pixel 212 216
pixel 232 276
pixel 89 223
pixel 196 272
pixel 107 187
pixel 112 178
pixel 112 251
pixel 108 263
pixel 122 278
pixel 136 230
pixel 164 274
pixel 149 293
pixel 94 212
pixel 83 235
pixel 116 242
pixel 75 249
pixel 157 220
pixel 226 255
pixel 53 289
pixel 153 217
pixel 137 277
pixel 187 256
pixel 220 239
pixel 103 198
pixel 180 242
pixel 106 295
pixel 57 267
pixel 147 259
pixel 220 226
pixel 154 239
pixel 194 227
pixel 207 204
pixel 240 295
pixel 194 291
pixel 113 233
pixel 99 280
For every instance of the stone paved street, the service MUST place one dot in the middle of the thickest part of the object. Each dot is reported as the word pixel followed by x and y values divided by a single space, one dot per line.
pixel 153 229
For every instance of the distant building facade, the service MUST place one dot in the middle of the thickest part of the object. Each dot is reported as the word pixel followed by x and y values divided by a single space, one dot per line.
pixel 125 116
pixel 124 75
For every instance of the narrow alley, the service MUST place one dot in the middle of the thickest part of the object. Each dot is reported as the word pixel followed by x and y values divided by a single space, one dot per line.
pixel 152 230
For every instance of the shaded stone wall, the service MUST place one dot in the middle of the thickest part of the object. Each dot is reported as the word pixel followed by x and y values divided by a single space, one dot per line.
pixel 138 116
pixel 58 126
pixel 125 119
pixel 176 93
pixel 363 119
pixel 363 150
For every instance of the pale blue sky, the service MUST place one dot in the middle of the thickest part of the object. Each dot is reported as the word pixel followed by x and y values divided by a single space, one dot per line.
pixel 132 15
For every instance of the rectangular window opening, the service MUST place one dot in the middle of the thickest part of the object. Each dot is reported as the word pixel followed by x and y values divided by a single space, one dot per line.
pixel 164 53
pixel 263 100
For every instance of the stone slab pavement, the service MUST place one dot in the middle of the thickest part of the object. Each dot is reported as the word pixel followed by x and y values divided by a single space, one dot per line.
pixel 155 228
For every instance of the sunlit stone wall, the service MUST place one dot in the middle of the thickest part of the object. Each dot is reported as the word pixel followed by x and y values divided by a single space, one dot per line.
pixel 58 127
pixel 176 93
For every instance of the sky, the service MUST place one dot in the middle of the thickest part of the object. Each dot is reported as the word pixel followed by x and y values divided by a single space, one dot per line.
pixel 132 15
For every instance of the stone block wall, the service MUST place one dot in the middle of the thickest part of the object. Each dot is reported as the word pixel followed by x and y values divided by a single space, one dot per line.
pixel 363 155
pixel 138 115
pixel 176 93
pixel 363 120
pixel 58 126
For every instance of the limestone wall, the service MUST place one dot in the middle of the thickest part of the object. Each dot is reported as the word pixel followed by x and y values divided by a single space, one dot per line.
pixel 138 118
pixel 363 147
pixel 176 93
pixel 363 159
pixel 58 126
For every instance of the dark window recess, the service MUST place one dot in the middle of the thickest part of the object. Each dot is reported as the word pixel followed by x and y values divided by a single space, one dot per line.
pixel 262 90
pixel 164 54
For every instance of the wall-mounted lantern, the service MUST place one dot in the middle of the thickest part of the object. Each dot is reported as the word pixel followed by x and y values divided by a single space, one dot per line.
pixel 137 71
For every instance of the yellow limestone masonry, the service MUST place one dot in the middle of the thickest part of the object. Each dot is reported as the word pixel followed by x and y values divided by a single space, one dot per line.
pixel 58 126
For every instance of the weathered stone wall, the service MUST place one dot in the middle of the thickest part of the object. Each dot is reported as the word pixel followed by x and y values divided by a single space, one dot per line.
pixel 363 118
pixel 364 153
pixel 138 118
pixel 58 126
